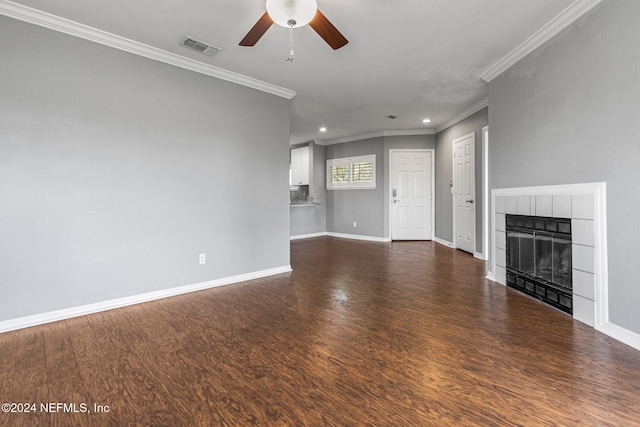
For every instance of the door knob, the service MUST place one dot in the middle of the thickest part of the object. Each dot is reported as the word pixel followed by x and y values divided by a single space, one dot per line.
pixel 469 201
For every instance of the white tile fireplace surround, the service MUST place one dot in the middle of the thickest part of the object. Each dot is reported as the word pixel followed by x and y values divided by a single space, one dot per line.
pixel 585 205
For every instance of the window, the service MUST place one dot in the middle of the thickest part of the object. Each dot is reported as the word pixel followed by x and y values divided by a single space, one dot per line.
pixel 339 174
pixel 351 173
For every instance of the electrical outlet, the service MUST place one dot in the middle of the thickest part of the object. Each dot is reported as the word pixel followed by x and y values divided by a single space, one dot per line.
pixel 355 224
pixel 202 258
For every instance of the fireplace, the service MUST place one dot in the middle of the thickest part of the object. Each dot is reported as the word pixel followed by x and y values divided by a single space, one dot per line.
pixel 585 206
pixel 538 258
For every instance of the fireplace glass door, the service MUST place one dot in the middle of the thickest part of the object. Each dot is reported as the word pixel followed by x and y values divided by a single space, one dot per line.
pixel 539 258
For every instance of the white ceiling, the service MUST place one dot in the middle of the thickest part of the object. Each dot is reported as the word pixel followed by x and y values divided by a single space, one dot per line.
pixel 409 58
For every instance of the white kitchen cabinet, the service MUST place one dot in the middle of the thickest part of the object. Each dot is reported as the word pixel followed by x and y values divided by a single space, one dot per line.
pixel 300 166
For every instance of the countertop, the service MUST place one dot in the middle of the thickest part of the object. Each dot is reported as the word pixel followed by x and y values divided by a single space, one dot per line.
pixel 297 205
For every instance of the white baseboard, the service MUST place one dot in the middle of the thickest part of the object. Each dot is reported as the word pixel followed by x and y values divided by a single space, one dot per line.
pixel 340 236
pixel 621 334
pixel 490 276
pixel 443 242
pixel 355 237
pixel 67 313
pixel 479 255
pixel 359 237
pixel 308 236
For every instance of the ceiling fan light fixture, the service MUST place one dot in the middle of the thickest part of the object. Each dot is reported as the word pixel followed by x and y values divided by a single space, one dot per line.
pixel 292 13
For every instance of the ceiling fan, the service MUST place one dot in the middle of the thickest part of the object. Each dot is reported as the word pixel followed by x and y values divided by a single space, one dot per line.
pixel 293 14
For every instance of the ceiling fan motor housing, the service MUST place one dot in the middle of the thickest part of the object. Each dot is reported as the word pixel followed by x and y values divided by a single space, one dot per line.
pixel 292 13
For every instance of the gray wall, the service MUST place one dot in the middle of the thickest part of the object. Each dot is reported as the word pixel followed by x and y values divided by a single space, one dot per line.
pixel 318 172
pixel 307 220
pixel 444 173
pixel 365 207
pixel 568 113
pixel 117 171
pixel 368 208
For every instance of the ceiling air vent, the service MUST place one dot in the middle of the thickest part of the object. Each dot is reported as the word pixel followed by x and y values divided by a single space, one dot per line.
pixel 199 46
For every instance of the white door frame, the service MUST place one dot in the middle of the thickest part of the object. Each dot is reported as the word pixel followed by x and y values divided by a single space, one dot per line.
pixel 453 198
pixel 433 187
pixel 486 202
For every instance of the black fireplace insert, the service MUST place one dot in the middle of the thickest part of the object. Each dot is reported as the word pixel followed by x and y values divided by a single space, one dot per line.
pixel 539 258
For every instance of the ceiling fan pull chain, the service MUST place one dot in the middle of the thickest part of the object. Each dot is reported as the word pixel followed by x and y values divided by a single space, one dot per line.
pixel 290 58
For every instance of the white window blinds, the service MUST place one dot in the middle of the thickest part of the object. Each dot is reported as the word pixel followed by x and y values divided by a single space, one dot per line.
pixel 351 173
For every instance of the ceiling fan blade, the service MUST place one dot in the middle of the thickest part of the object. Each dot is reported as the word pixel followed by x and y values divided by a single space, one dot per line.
pixel 327 31
pixel 257 31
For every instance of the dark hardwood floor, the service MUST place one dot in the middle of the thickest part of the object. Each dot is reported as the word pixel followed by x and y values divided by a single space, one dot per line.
pixel 371 334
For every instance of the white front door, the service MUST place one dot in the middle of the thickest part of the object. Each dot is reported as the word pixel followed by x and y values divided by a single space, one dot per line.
pixel 464 192
pixel 411 195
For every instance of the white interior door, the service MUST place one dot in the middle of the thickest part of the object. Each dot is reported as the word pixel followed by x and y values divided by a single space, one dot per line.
pixel 464 192
pixel 411 198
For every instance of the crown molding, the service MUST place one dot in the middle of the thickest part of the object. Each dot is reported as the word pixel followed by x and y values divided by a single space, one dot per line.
pixel 378 134
pixel 484 102
pixel 409 132
pixel 66 26
pixel 571 14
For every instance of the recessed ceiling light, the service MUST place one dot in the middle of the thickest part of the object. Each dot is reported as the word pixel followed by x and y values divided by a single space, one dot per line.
pixel 323 129
pixel 426 121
